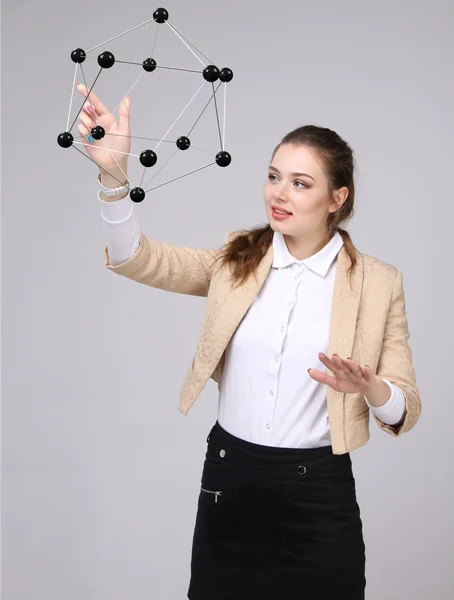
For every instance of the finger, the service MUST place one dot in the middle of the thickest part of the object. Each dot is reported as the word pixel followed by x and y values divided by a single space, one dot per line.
pixel 332 366
pixel 84 132
pixel 99 106
pixel 368 373
pixel 90 109
pixel 317 375
pixel 342 371
pixel 323 378
pixel 123 115
pixel 335 364
pixel 326 361
pixel 84 135
pixel 353 367
pixel 86 120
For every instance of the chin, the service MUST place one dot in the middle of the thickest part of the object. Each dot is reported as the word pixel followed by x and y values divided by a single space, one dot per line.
pixel 277 224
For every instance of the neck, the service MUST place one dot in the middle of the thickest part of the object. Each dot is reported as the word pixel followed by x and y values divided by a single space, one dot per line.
pixel 302 247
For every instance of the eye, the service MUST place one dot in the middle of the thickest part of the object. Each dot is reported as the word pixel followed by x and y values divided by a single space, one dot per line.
pixel 270 176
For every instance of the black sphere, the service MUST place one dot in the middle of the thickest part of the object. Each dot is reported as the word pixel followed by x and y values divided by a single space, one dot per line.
pixel 148 158
pixel 226 75
pixel 65 139
pixel 183 142
pixel 223 159
pixel 160 15
pixel 137 194
pixel 78 55
pixel 211 73
pixel 149 64
pixel 98 132
pixel 106 60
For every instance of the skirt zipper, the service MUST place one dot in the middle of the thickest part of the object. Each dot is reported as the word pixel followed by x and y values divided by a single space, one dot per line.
pixel 216 494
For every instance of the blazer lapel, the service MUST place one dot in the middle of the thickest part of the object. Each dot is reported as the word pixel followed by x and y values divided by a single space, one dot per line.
pixel 344 312
pixel 218 327
pixel 345 304
pixel 234 306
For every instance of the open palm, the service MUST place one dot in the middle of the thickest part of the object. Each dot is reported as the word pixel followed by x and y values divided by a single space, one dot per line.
pixel 348 376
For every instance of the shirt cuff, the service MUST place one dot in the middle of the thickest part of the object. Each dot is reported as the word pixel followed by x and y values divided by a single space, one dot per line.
pixel 116 211
pixel 392 412
pixel 122 232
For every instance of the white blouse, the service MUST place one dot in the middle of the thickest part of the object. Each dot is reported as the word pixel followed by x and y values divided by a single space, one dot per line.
pixel 266 395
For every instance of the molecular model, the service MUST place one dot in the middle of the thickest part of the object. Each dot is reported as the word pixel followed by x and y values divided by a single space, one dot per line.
pixel 148 158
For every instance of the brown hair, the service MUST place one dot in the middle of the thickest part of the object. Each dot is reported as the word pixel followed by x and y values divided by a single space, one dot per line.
pixel 245 251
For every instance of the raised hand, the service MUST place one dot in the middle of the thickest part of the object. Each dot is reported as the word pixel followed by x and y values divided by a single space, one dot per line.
pixel 117 137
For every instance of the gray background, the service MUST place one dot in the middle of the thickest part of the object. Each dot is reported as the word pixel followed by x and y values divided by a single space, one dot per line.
pixel 100 472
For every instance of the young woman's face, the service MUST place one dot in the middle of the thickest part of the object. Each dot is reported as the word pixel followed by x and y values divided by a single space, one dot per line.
pixel 305 196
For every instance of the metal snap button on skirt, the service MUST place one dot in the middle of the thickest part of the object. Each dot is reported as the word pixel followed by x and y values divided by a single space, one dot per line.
pixel 276 523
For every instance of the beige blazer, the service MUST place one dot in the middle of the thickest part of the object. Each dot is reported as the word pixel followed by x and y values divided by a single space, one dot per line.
pixel 368 323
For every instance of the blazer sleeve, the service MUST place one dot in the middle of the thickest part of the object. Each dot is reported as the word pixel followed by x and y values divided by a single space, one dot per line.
pixel 395 362
pixel 178 269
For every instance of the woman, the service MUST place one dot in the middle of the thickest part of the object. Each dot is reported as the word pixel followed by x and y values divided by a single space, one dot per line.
pixel 305 336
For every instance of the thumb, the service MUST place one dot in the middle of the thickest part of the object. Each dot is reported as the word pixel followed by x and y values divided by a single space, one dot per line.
pixel 123 114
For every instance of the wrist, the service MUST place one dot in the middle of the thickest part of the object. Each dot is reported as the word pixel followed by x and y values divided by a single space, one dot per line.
pixel 378 393
pixel 113 180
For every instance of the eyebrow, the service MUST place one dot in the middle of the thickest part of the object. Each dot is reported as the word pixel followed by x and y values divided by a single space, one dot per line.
pixel 293 174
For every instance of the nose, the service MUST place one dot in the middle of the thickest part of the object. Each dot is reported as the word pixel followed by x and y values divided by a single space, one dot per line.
pixel 280 194
pixel 280 190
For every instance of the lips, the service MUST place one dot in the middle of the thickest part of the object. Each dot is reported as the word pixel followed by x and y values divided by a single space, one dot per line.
pixel 281 209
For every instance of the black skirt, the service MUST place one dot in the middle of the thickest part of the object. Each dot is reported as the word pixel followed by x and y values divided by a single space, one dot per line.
pixel 276 523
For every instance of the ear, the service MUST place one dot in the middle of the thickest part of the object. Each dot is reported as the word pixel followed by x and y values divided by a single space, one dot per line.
pixel 340 196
